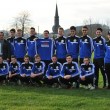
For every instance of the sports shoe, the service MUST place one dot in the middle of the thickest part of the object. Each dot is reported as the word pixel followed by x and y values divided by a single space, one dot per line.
pixel 92 88
pixel 86 87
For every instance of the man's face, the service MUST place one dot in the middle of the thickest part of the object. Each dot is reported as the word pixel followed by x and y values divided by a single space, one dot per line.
pixel 19 33
pixel 13 60
pixel 12 33
pixel 1 36
pixel 98 33
pixel 1 60
pixel 32 32
pixel 72 32
pixel 38 59
pixel 84 31
pixel 86 61
pixel 26 60
pixel 46 34
pixel 69 59
pixel 60 32
pixel 54 59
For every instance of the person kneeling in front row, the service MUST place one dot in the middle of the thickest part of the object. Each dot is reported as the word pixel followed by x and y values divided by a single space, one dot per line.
pixel 26 69
pixel 14 70
pixel 69 73
pixel 38 71
pixel 53 72
pixel 87 74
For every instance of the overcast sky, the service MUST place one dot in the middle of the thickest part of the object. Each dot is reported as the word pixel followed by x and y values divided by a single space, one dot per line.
pixel 71 12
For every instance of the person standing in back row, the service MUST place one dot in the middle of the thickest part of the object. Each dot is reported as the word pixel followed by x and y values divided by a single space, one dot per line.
pixel 19 46
pixel 99 54
pixel 60 46
pixel 45 48
pixel 11 40
pixel 31 44
pixel 5 50
pixel 72 43
pixel 86 45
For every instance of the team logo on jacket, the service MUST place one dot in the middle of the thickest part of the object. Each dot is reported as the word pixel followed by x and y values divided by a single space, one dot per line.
pixel 3 67
pixel 21 41
pixel 89 68
pixel 100 42
pixel 85 40
pixel 72 67
pixel 56 67
pixel 34 39
pixel 39 68
pixel 45 44
pixel 62 41
pixel 29 67
pixel 16 67
pixel 74 40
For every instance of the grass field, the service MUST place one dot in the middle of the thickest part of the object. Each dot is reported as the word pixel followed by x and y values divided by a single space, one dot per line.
pixel 43 98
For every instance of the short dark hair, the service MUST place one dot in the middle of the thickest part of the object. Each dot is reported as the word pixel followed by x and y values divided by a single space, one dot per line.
pixel 100 29
pixel 2 33
pixel 13 56
pixel 54 55
pixel 33 28
pixel 46 31
pixel 26 56
pixel 73 28
pixel 60 28
pixel 36 56
pixel 19 30
pixel 85 27
pixel 12 30
pixel 87 58
pixel 68 55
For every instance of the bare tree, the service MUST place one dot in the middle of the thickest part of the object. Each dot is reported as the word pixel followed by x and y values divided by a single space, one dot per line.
pixel 22 21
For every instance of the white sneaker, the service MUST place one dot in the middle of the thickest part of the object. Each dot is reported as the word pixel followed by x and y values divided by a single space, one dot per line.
pixel 74 84
pixel 92 88
pixel 86 87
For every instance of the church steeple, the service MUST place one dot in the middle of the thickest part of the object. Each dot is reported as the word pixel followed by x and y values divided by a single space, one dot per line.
pixel 56 13
pixel 56 21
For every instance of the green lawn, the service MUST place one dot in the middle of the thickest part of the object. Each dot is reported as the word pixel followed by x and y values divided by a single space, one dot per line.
pixel 43 98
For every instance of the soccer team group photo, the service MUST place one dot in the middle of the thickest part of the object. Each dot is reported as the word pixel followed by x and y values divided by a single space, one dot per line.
pixel 61 62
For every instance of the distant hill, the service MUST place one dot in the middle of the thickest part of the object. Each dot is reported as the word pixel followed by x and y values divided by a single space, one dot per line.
pixel 92 29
